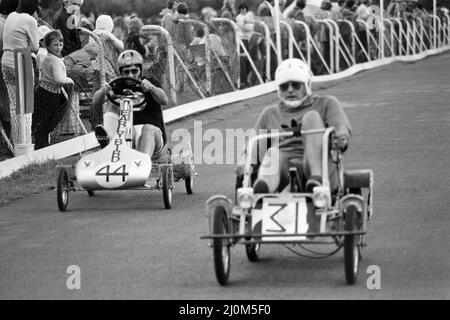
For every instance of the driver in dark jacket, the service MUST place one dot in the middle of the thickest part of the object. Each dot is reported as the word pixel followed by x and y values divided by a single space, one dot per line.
pixel 152 137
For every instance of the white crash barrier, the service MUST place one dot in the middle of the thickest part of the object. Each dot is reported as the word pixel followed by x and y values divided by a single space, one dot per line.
pixel 416 42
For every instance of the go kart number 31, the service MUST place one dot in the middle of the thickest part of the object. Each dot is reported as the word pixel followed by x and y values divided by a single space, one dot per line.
pixel 112 175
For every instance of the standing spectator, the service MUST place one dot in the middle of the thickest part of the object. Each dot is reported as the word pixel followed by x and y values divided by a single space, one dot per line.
pixel 112 47
pixel 120 28
pixel 208 13
pixel 6 7
pixel 347 9
pixel 133 41
pixel 71 37
pixel 228 9
pixel 167 19
pixel 323 34
pixel 245 22
pixel 363 12
pixel 297 12
pixel 50 102
pixel 20 31
pixel 183 32
pixel 265 9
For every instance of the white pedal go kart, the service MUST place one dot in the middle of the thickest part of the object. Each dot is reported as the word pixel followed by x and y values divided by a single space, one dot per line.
pixel 302 222
pixel 118 166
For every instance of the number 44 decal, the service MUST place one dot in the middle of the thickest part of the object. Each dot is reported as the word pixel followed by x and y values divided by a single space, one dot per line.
pixel 106 171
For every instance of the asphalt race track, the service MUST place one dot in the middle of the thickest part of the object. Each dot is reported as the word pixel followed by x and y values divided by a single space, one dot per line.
pixel 129 247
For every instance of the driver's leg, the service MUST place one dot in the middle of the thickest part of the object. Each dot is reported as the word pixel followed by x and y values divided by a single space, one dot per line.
pixel 104 133
pixel 111 120
pixel 312 161
pixel 270 171
pixel 150 140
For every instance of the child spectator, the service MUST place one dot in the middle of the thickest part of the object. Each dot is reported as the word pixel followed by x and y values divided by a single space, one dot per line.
pixel 42 51
pixel 50 99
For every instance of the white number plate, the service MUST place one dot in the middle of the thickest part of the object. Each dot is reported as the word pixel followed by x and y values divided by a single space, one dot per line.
pixel 281 217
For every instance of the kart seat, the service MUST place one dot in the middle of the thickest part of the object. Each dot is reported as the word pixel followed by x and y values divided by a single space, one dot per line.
pixel 356 179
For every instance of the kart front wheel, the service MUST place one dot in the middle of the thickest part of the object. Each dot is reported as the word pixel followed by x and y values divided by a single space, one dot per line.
pixel 221 247
pixel 351 245
pixel 62 189
pixel 167 187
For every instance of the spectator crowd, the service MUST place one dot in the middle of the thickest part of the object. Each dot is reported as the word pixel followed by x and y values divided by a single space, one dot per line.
pixel 69 61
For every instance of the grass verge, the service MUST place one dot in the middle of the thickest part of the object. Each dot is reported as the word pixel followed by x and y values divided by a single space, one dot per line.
pixel 35 178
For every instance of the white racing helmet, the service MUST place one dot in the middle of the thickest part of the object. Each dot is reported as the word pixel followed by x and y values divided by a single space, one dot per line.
pixel 294 70
pixel 130 58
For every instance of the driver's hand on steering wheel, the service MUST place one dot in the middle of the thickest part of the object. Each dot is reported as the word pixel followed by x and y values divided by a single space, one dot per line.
pixel 146 85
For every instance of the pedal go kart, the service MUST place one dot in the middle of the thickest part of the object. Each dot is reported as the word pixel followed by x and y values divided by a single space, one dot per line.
pixel 118 166
pixel 302 222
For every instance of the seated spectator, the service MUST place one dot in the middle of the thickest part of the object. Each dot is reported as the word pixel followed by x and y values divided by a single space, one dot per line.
pixel 50 101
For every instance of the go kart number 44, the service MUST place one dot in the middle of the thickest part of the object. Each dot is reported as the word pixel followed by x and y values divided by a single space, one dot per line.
pixel 112 175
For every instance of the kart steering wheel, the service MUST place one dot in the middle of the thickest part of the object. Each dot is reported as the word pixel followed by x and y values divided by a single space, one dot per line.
pixel 126 87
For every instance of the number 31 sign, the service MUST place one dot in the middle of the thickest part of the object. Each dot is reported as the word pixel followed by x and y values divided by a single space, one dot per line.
pixel 282 217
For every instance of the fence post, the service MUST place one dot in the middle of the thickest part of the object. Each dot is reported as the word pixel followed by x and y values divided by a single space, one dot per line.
pixel 22 117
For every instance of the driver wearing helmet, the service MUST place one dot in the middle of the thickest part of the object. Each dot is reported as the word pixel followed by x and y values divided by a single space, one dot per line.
pixel 298 106
pixel 152 137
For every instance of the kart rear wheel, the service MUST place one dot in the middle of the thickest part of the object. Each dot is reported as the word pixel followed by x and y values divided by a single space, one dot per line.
pixel 91 193
pixel 189 183
pixel 351 245
pixel 166 187
pixel 252 251
pixel 221 247
pixel 62 189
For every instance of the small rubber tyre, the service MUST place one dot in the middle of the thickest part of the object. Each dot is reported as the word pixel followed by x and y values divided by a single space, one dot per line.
pixel 221 247
pixel 351 245
pixel 90 193
pixel 252 251
pixel 62 189
pixel 166 187
pixel 189 183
